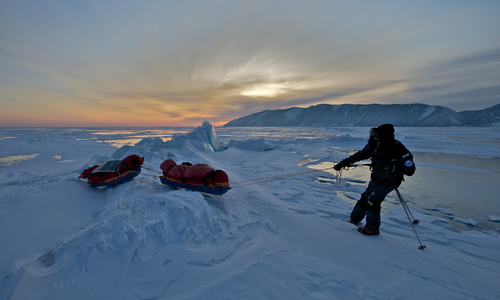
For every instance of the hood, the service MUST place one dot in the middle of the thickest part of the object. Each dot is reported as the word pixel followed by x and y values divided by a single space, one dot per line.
pixel 385 133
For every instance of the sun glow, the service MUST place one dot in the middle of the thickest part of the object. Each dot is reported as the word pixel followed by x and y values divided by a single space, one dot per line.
pixel 266 90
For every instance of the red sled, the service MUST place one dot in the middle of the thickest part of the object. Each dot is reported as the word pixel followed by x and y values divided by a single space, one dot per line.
pixel 198 177
pixel 113 172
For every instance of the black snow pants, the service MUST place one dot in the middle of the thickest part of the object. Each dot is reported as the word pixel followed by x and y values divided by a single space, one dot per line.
pixel 370 203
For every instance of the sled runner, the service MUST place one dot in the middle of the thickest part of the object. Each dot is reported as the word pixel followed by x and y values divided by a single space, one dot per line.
pixel 113 172
pixel 198 177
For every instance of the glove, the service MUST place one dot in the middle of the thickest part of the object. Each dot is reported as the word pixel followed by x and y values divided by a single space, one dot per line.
pixel 343 163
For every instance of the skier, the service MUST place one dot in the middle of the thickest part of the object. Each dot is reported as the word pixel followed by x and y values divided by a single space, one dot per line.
pixel 390 161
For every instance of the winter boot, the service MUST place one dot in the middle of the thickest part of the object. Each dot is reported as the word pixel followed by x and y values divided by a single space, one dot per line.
pixel 367 231
pixel 352 222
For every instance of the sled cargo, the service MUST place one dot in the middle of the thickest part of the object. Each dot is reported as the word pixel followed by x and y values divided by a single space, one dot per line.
pixel 113 172
pixel 198 177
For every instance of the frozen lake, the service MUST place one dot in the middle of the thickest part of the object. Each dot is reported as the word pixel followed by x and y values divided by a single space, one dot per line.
pixel 276 239
pixel 457 176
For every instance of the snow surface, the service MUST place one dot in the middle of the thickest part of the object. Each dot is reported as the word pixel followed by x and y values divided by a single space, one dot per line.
pixel 281 239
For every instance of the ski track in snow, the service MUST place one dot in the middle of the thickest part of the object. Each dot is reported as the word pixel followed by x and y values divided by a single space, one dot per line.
pixel 284 239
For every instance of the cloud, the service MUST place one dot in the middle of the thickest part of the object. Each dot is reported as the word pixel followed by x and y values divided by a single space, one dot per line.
pixel 179 63
pixel 460 81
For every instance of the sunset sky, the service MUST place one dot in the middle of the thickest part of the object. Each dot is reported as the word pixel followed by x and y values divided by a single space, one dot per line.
pixel 179 63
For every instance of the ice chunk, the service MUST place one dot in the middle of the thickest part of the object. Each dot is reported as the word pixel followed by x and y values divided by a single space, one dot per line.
pixel 467 221
pixel 494 219
pixel 202 137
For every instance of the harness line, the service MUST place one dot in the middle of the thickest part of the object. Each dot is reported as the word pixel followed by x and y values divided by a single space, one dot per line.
pixel 271 178
pixel 153 170
pixel 257 180
pixel 142 173
pixel 338 177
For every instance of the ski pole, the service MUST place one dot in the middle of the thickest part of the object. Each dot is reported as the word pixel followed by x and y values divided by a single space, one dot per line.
pixel 403 203
pixel 408 213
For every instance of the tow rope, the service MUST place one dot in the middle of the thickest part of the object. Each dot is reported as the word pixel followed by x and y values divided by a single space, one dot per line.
pixel 258 180
pixel 271 178
pixel 338 177
pixel 147 173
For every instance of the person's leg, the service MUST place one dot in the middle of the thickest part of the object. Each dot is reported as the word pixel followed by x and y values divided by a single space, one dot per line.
pixel 359 211
pixel 373 204
pixel 373 220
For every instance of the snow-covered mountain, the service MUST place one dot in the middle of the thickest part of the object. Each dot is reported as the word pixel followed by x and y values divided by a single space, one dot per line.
pixel 485 117
pixel 350 115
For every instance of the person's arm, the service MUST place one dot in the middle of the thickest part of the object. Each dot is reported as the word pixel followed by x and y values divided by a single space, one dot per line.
pixel 362 154
pixel 406 164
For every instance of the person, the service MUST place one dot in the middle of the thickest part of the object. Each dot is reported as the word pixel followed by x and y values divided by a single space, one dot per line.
pixel 390 162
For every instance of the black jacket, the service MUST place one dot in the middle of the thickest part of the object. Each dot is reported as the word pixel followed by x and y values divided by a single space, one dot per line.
pixel 389 160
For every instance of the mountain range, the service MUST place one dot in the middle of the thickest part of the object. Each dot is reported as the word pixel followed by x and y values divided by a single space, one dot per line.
pixel 352 115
